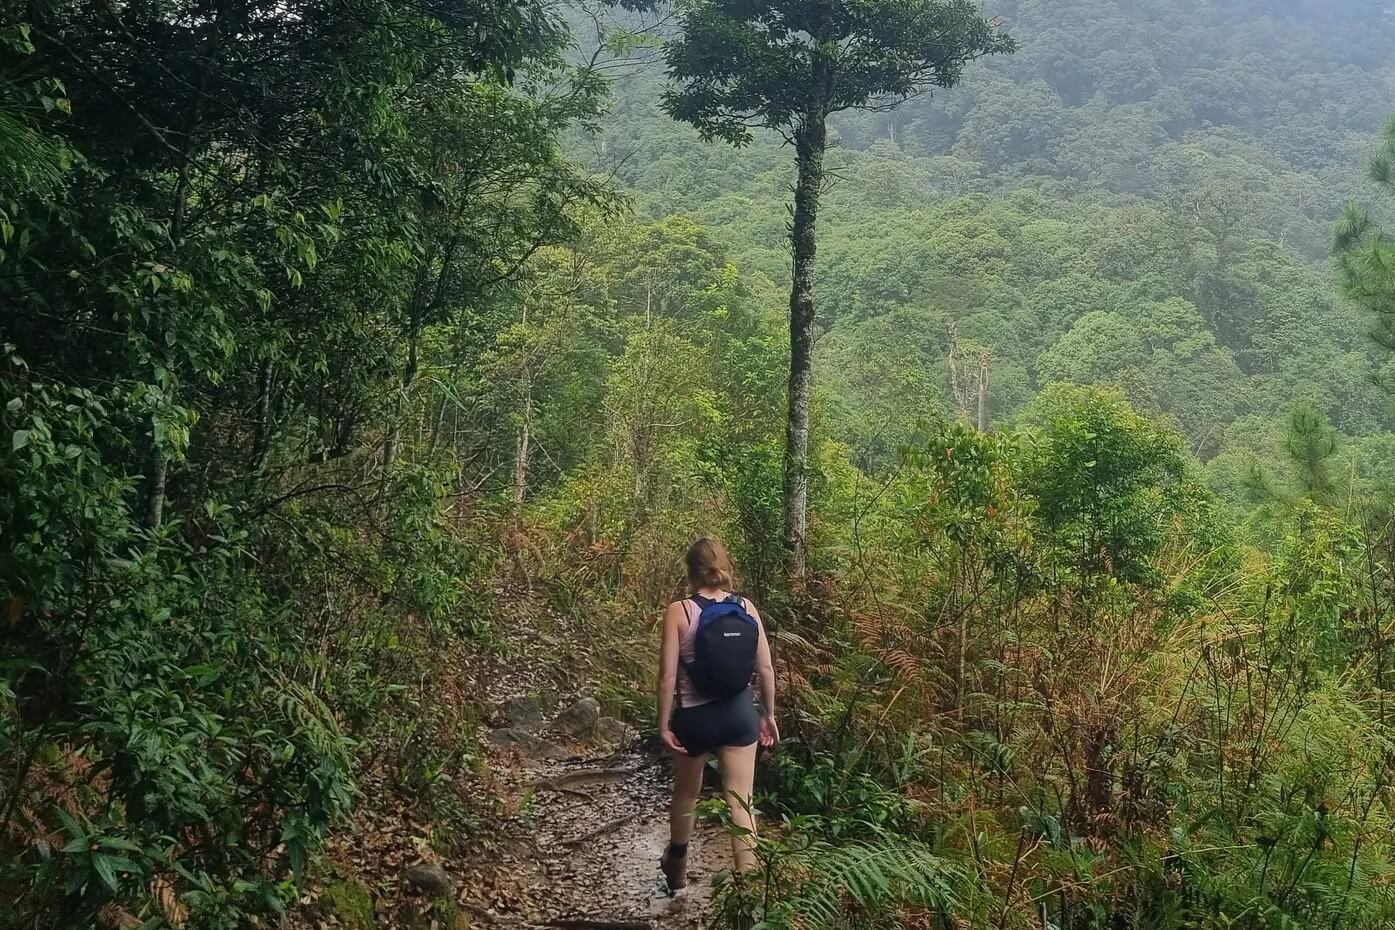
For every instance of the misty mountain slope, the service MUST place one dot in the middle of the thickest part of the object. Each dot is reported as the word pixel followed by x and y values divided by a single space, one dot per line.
pixel 1129 157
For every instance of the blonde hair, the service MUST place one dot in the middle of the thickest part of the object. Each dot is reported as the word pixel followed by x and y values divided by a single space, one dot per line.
pixel 709 565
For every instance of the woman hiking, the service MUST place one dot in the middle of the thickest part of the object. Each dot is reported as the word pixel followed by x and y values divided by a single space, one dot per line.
pixel 713 643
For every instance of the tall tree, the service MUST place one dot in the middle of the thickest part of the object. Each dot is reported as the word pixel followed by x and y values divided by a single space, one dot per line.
pixel 787 65
pixel 1366 252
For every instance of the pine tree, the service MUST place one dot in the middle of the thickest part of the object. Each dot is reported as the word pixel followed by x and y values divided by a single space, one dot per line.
pixel 1366 253
pixel 1312 442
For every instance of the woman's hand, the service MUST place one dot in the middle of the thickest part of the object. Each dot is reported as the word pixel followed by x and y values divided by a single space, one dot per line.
pixel 671 741
pixel 769 731
pixel 668 675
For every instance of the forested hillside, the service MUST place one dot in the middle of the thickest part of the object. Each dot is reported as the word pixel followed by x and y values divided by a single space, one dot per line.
pixel 366 367
pixel 1143 195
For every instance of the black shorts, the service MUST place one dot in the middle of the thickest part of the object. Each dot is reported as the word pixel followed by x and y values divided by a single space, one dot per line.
pixel 732 722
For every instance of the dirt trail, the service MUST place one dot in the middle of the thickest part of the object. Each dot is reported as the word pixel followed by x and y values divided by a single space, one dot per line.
pixel 584 833
pixel 594 831
pixel 573 842
pixel 563 833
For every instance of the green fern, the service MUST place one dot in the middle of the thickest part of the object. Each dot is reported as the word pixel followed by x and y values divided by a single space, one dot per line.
pixel 873 880
pixel 821 886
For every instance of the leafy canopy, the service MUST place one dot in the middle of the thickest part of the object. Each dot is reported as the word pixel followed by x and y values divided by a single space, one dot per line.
pixel 776 63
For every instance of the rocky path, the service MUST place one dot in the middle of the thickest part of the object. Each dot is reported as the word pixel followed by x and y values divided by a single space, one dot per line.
pixel 588 814
pixel 589 859
pixel 576 821
pixel 564 820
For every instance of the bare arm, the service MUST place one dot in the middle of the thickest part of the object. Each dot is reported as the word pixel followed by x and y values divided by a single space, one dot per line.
pixel 668 672
pixel 765 669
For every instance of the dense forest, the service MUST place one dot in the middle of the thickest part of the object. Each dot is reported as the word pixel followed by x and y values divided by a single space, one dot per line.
pixel 362 360
pixel 1143 195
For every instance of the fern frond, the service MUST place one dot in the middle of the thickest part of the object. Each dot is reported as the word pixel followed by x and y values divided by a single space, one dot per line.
pixel 27 159
pixel 789 638
pixel 871 880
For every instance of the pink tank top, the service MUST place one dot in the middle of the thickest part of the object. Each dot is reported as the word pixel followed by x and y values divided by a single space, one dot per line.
pixel 688 695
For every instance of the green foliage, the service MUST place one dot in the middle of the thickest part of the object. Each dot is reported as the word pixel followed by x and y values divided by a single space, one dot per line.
pixel 739 64
pixel 854 804
pixel 323 360
pixel 1083 210
pixel 1365 253
pixel 802 882
pixel 1037 667
pixel 248 254
pixel 1106 481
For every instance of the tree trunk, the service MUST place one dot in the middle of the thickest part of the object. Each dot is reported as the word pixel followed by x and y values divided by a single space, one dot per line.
pixel 983 392
pixel 438 423
pixel 390 458
pixel 523 453
pixel 261 444
pixel 157 480
pixel 155 492
pixel 810 141
pixel 409 377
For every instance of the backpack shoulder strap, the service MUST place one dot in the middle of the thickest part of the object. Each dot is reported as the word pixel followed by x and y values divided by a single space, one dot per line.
pixel 688 614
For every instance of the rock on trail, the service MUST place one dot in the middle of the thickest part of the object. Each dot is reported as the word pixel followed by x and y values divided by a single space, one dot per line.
pixel 579 719
pixel 527 743
pixel 429 878
pixel 520 713
pixel 610 731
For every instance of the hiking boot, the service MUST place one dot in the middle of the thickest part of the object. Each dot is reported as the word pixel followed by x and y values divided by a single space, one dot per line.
pixel 675 869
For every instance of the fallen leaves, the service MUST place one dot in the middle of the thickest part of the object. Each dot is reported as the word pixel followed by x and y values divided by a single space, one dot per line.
pixel 167 901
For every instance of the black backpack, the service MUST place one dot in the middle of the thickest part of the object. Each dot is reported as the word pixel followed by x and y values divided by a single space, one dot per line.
pixel 724 647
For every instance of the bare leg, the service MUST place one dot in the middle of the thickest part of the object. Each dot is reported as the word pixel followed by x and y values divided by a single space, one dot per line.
pixel 687 785
pixel 738 783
